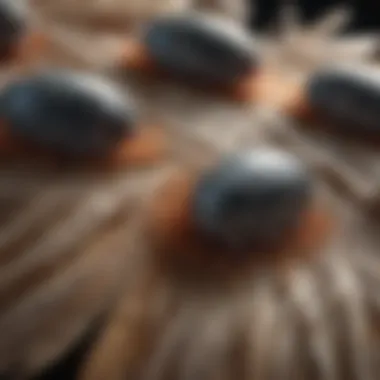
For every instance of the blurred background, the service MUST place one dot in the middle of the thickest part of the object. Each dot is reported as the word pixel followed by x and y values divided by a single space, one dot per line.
pixel 265 14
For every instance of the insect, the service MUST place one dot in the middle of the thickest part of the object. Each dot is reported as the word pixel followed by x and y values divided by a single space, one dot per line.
pixel 252 196
pixel 71 114
pixel 203 50
pixel 252 201
pixel 343 98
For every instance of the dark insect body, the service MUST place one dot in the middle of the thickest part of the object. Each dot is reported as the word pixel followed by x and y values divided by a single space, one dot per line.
pixel 200 48
pixel 251 198
pixel 69 113
pixel 202 51
pixel 348 98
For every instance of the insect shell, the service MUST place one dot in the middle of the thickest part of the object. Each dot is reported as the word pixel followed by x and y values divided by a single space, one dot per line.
pixel 64 238
pixel 347 97
pixel 74 114
pixel 229 55
pixel 205 51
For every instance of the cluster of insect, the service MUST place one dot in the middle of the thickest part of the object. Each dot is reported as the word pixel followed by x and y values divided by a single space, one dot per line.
pixel 238 223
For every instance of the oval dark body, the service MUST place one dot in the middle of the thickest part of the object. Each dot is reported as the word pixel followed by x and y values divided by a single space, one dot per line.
pixel 348 98
pixel 252 198
pixel 71 113
pixel 200 48
pixel 12 24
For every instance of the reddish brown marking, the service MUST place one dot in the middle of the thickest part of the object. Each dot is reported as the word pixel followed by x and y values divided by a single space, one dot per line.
pixel 245 90
pixel 286 95
pixel 147 146
pixel 7 54
pixel 177 242
pixel 31 47
pixel 135 57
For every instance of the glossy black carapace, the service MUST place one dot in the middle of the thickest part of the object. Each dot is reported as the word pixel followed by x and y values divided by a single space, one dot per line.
pixel 201 48
pixel 349 98
pixel 70 113
pixel 251 197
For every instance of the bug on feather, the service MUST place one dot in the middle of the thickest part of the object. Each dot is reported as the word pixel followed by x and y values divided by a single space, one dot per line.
pixel 74 115
pixel 205 51
pixel 340 99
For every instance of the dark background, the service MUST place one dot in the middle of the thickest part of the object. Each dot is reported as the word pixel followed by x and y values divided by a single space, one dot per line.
pixel 366 13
